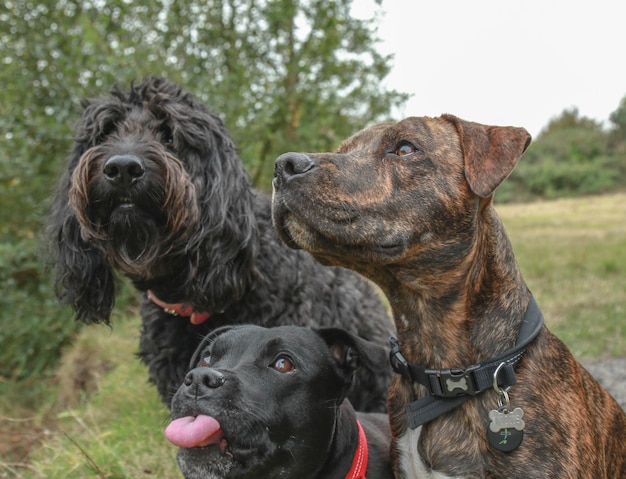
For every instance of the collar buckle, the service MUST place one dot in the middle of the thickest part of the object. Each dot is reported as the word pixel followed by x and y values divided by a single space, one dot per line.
pixel 453 382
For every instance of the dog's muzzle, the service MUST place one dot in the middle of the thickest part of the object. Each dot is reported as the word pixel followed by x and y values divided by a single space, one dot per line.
pixel 123 170
pixel 291 165
pixel 201 381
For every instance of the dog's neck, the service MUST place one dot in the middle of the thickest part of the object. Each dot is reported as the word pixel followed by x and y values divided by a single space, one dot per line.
pixel 343 446
pixel 199 282
pixel 451 306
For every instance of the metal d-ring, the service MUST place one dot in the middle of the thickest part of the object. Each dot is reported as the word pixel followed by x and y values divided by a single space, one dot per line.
pixel 503 394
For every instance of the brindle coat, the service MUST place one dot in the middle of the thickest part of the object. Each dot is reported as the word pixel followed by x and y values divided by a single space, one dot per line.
pixel 409 205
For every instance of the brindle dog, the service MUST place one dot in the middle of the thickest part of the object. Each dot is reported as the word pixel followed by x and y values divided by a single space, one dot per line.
pixel 409 205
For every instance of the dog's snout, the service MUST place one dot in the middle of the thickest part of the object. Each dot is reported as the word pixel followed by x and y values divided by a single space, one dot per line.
pixel 292 164
pixel 203 379
pixel 123 170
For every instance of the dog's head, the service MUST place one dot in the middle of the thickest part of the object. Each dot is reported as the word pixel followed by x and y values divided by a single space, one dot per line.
pixel 143 191
pixel 398 193
pixel 263 402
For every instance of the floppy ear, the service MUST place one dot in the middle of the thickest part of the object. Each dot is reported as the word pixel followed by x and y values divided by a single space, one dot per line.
pixel 352 352
pixel 224 247
pixel 83 279
pixel 490 152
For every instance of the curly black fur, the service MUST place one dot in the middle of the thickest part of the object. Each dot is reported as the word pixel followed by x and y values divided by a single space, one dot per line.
pixel 188 226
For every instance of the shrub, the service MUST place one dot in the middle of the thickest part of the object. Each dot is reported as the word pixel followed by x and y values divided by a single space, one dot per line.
pixel 34 326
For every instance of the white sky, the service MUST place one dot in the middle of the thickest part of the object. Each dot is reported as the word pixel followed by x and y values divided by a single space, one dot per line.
pixel 504 62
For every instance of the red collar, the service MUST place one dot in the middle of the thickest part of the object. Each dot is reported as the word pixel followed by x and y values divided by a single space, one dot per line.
pixel 180 309
pixel 359 463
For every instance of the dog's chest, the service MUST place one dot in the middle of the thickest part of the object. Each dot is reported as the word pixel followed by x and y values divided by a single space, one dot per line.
pixel 411 464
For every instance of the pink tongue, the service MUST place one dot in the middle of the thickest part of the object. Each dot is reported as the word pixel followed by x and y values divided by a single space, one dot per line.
pixel 194 431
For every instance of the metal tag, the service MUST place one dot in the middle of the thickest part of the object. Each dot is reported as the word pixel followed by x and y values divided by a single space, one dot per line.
pixel 506 429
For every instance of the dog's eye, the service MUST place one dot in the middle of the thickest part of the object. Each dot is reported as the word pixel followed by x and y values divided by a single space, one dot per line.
pixel 167 137
pixel 105 130
pixel 283 365
pixel 206 360
pixel 405 148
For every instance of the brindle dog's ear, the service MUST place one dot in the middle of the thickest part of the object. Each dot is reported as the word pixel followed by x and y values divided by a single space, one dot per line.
pixel 490 152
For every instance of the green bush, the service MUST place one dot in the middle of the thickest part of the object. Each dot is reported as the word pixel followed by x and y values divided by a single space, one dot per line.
pixel 551 179
pixel 35 327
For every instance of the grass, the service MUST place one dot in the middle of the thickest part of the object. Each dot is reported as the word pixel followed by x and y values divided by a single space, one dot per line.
pixel 572 253
pixel 109 424
pixel 99 418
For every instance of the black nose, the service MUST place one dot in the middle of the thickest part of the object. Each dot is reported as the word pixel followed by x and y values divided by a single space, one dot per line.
pixel 123 170
pixel 202 380
pixel 289 165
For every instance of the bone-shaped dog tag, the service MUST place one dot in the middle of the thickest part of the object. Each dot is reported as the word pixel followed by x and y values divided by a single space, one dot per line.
pixel 506 429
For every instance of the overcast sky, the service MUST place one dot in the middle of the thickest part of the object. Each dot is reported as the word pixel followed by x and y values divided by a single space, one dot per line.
pixel 505 62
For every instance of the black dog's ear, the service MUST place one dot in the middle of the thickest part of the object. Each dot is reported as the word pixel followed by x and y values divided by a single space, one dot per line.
pixel 350 351
pixel 490 152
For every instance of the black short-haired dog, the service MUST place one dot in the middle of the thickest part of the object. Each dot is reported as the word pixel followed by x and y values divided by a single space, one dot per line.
pixel 155 190
pixel 270 403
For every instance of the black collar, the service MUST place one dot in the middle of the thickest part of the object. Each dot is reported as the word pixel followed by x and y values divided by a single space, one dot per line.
pixel 450 388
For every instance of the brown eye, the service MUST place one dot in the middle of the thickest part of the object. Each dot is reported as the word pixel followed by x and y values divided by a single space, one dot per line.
pixel 405 148
pixel 205 361
pixel 283 365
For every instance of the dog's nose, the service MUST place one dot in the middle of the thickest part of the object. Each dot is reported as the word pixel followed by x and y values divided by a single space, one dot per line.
pixel 123 170
pixel 289 165
pixel 201 380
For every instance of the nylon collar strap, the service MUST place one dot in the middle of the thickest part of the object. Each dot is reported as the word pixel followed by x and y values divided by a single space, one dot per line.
pixel 359 463
pixel 450 388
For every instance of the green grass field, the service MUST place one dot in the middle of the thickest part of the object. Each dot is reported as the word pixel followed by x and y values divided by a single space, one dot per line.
pixel 100 418
pixel 572 253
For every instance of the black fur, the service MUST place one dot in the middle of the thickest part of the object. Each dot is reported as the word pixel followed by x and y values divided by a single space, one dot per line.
pixel 191 229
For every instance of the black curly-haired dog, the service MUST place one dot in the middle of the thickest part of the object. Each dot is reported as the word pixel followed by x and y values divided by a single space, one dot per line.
pixel 154 189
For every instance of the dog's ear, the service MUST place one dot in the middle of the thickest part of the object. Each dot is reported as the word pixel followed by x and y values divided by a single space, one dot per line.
pixel 350 351
pixel 83 279
pixel 226 237
pixel 490 152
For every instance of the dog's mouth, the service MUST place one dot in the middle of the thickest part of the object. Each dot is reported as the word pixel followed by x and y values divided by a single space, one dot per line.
pixel 300 234
pixel 197 431
pixel 127 210
pixel 125 203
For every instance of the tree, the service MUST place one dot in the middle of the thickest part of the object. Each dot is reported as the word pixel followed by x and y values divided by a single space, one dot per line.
pixel 287 74
pixel 570 137
pixel 569 157
pixel 618 127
